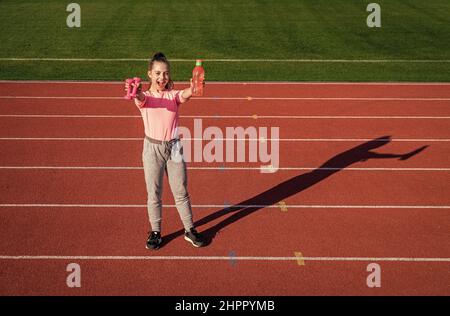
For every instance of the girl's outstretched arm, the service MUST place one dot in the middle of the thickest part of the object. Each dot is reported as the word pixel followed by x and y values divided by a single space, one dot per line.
pixel 187 93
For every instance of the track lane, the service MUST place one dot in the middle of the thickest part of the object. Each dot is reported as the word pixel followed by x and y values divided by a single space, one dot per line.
pixel 216 188
pixel 217 107
pixel 239 89
pixel 394 233
pixel 292 154
pixel 267 279
pixel 312 128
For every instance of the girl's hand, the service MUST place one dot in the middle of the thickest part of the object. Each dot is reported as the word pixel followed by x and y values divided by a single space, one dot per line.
pixel 131 86
pixel 139 88
pixel 188 92
pixel 192 84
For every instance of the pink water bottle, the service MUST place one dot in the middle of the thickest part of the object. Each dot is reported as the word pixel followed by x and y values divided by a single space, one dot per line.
pixel 198 76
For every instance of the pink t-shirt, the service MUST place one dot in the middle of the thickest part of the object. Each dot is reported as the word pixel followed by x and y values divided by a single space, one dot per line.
pixel 160 113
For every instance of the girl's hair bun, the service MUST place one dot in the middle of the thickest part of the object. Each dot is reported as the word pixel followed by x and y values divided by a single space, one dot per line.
pixel 159 57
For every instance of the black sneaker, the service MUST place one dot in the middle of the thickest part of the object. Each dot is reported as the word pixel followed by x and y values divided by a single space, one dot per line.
pixel 154 240
pixel 195 238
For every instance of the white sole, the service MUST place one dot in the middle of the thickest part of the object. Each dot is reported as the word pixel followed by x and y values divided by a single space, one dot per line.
pixel 185 238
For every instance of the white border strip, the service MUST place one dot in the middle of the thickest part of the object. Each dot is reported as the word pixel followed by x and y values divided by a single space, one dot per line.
pixel 219 168
pixel 249 98
pixel 262 60
pixel 222 258
pixel 255 116
pixel 230 139
pixel 235 206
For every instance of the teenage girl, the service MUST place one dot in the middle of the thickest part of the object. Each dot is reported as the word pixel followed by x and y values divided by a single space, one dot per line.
pixel 162 149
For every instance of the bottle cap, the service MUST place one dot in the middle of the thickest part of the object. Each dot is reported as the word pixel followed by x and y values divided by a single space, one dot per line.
pixel 198 62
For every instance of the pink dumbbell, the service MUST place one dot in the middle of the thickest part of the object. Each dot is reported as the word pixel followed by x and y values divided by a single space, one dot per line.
pixel 137 82
pixel 129 82
pixel 132 94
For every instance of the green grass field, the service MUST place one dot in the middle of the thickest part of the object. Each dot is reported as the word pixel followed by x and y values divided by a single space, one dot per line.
pixel 231 29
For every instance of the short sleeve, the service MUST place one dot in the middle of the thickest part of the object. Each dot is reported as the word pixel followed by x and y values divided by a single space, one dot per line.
pixel 179 97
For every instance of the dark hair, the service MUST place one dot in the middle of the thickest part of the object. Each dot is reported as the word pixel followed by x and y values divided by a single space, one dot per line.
pixel 160 57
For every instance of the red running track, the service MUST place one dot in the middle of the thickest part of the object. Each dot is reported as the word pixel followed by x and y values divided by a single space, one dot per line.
pixel 68 196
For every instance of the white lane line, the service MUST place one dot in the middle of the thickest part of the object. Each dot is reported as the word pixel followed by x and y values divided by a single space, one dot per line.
pixel 233 98
pixel 255 116
pixel 257 60
pixel 231 139
pixel 389 83
pixel 235 206
pixel 224 258
pixel 217 168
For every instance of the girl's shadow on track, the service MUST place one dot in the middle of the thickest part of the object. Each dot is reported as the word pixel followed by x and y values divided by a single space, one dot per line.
pixel 295 185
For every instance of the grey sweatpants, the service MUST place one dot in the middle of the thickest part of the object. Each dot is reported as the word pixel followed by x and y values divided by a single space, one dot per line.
pixel 157 160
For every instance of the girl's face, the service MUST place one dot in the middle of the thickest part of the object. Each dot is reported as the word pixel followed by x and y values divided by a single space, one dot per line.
pixel 159 75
